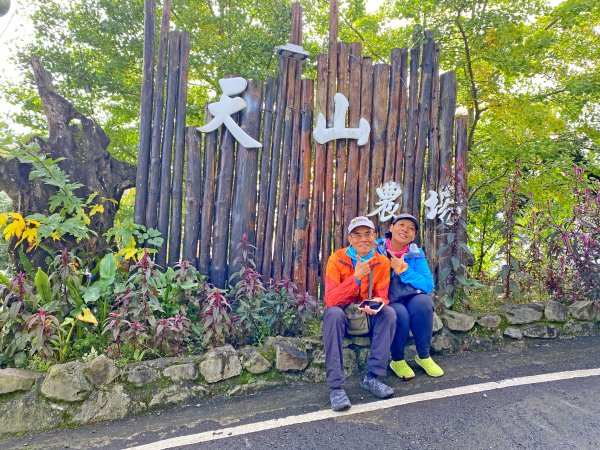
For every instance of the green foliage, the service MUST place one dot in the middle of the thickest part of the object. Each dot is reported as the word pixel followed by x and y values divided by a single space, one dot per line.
pixel 133 239
pixel 69 217
pixel 94 47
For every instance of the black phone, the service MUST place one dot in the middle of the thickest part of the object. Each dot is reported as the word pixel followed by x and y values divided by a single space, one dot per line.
pixel 375 306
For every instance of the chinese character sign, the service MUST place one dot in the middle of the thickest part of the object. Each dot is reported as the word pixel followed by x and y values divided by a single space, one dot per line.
pixel 322 134
pixel 387 206
pixel 440 205
pixel 226 106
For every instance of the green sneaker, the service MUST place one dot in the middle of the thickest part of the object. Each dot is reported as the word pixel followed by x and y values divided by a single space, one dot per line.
pixel 429 366
pixel 402 370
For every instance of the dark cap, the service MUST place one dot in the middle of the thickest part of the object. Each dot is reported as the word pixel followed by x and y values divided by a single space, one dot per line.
pixel 408 217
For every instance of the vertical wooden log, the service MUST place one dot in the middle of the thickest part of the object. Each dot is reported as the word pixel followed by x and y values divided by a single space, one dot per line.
pixel 446 127
pixel 460 175
pixel 167 148
pixel 432 181
pixel 265 169
pixel 141 179
pixel 208 196
pixel 393 115
pixel 301 230
pixel 423 126
pixel 290 222
pixel 402 117
pixel 220 247
pixel 366 110
pixel 381 81
pixel 318 187
pixel 411 133
pixel 178 155
pixel 243 212
pixel 193 195
pixel 329 169
pixel 280 107
pixel 284 176
pixel 343 87
pixel 352 172
pixel 286 153
pixel 157 119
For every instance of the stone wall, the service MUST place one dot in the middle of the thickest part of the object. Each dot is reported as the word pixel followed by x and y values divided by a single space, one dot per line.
pixel 77 393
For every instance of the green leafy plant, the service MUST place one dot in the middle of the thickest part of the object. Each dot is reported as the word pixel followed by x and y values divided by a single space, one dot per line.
pixel 70 216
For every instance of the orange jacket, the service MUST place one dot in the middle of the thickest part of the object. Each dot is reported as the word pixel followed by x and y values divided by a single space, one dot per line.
pixel 340 286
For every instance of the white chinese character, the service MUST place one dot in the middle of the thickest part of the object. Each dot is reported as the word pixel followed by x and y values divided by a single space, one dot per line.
pixel 226 106
pixel 431 205
pixel 440 205
pixel 323 134
pixel 387 206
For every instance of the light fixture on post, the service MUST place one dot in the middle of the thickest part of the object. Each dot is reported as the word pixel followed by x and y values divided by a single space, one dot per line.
pixel 292 51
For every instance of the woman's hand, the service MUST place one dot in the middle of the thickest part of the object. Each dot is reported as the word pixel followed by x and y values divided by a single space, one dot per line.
pixel 398 264
pixel 362 268
pixel 369 311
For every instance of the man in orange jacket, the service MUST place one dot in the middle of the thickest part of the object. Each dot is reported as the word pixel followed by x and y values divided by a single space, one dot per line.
pixel 346 282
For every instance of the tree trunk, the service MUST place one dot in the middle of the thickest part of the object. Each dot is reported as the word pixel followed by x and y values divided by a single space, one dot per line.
pixel 82 143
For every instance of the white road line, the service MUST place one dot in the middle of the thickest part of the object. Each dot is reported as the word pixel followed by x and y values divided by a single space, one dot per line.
pixel 240 430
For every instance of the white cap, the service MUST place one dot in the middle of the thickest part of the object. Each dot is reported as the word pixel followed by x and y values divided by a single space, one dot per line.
pixel 360 221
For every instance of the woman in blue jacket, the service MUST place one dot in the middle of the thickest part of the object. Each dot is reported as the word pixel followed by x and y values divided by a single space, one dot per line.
pixel 411 283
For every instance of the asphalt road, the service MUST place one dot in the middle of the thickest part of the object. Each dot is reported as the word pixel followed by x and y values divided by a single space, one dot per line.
pixel 550 415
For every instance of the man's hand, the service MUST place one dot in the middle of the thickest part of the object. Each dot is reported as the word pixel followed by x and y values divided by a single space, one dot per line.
pixel 398 264
pixel 369 311
pixel 362 269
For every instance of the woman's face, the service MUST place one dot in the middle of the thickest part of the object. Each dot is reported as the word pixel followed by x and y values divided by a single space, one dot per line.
pixel 403 232
pixel 362 239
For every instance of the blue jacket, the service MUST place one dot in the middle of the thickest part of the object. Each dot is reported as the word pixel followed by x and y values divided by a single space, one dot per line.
pixel 417 275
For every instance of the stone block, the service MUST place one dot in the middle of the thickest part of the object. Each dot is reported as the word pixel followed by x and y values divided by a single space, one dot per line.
pixel 540 331
pixel 350 362
pixel 181 372
pixel 513 333
pixel 580 328
pixel 290 357
pixel 522 314
pixel 456 321
pixel 220 364
pixel 555 311
pixel 253 361
pixel 66 382
pixel 489 321
pixel 361 341
pixel 27 413
pixel 445 342
pixel 437 323
pixel 141 375
pixel 585 310
pixel 13 380
pixel 318 358
pixel 172 395
pixel 100 371
pixel 104 405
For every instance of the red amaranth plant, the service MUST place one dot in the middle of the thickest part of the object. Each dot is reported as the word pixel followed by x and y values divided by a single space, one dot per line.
pixel 43 328
pixel 215 318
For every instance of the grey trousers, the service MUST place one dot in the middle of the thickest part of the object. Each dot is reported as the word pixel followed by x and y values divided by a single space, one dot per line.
pixel 383 328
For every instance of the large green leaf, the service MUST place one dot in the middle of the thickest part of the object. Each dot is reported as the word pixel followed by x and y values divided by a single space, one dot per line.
pixel 43 288
pixel 108 268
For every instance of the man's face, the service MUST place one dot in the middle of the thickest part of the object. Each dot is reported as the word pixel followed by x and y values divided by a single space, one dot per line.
pixel 362 239
pixel 404 231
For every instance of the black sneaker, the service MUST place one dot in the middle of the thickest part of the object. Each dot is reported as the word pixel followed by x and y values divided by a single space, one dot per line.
pixel 339 400
pixel 376 387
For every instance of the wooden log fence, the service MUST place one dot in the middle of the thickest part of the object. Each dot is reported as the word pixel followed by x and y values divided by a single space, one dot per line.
pixel 293 198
